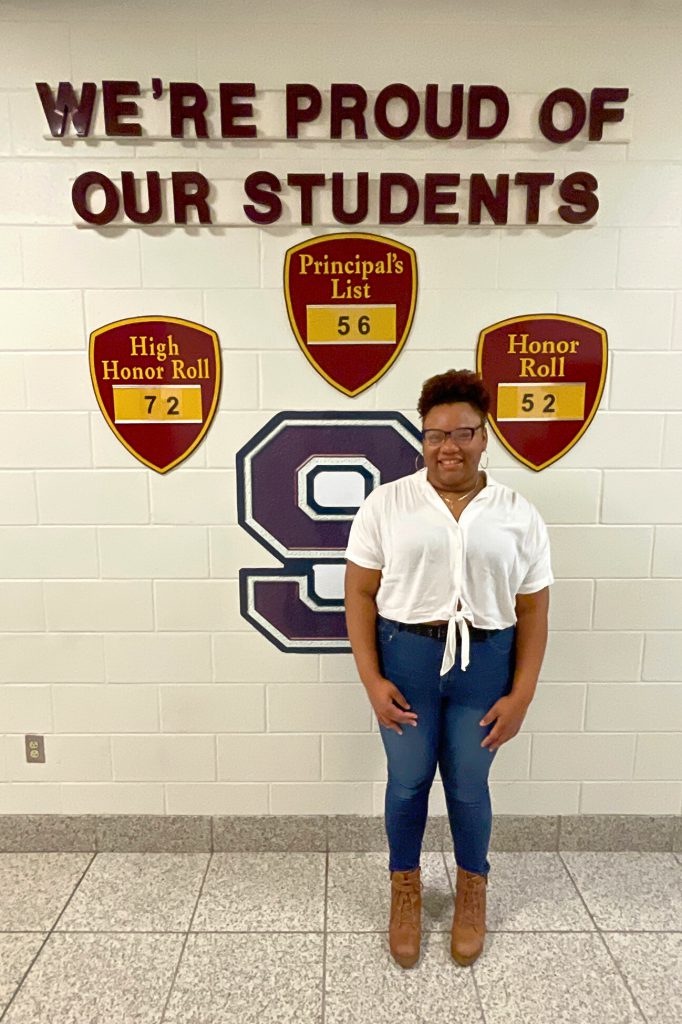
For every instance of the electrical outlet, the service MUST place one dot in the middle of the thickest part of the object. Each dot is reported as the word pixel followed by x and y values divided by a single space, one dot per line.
pixel 35 749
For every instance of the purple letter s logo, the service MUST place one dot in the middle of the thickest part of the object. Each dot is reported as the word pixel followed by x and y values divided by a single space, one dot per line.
pixel 300 481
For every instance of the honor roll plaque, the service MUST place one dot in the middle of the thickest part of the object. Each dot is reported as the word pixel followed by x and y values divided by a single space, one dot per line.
pixel 157 381
pixel 351 299
pixel 546 375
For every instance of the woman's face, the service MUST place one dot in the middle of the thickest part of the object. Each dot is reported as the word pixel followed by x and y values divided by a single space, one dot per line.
pixel 451 464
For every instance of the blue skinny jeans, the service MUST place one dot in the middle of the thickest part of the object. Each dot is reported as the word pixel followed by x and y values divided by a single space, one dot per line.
pixel 447 736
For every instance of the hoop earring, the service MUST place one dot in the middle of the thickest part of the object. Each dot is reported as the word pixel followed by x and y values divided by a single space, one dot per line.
pixel 419 455
pixel 487 459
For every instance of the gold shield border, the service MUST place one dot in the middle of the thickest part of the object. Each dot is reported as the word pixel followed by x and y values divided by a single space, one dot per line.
pixel 563 319
pixel 413 302
pixel 170 320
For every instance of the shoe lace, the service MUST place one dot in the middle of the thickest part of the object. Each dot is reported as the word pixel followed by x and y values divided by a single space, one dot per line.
pixel 407 894
pixel 472 899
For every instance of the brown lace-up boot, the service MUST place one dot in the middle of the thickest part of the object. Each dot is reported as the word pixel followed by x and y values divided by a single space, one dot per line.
pixel 468 926
pixel 404 930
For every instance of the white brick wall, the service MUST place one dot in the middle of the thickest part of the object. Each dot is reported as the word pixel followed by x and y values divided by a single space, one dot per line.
pixel 316 708
pixel 5 141
pixel 17 498
pixel 12 388
pixel 667 551
pixel 209 604
pixel 571 604
pixel 56 380
pixel 69 758
pixel 60 440
pixel 26 708
pixel 105 709
pixel 92 497
pixel 48 551
pixel 95 261
pixel 21 606
pixel 42 320
pixel 194 497
pixel 157 658
pixel 652 496
pixel 548 260
pixel 216 798
pixel 10 257
pixel 672 442
pixel 646 380
pixel 641 707
pixel 122 640
pixel 649 258
pixel 270 758
pixel 601 551
pixel 637 604
pixel 164 758
pixel 98 605
pixel 233 708
pixel 161 551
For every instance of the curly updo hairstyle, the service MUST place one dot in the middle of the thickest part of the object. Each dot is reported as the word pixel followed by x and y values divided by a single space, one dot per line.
pixel 454 386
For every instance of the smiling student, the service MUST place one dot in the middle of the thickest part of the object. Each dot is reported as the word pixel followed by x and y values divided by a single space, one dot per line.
pixel 447 594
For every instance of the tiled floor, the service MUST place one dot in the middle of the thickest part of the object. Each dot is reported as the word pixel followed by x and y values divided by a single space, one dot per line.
pixel 235 938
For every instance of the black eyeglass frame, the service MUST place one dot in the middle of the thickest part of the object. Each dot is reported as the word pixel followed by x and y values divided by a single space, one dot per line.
pixel 450 433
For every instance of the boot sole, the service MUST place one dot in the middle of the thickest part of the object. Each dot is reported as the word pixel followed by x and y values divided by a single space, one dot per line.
pixel 405 962
pixel 464 961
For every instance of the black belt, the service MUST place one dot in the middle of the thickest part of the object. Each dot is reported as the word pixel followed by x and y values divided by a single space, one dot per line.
pixel 440 632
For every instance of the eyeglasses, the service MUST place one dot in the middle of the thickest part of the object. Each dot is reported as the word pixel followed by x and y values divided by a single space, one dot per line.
pixel 462 435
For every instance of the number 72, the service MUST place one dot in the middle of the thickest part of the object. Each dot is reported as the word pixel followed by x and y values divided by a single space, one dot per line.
pixel 172 401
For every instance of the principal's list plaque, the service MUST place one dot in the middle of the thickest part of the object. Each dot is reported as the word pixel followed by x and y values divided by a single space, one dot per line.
pixel 351 299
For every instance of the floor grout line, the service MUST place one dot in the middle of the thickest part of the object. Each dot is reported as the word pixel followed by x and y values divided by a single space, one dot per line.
pixel 187 935
pixel 46 939
pixel 359 931
pixel 471 969
pixel 324 940
pixel 326 931
pixel 599 932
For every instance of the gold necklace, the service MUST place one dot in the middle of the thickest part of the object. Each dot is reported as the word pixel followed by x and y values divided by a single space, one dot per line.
pixel 448 501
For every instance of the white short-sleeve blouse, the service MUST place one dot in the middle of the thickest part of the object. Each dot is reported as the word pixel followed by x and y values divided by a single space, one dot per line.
pixel 434 567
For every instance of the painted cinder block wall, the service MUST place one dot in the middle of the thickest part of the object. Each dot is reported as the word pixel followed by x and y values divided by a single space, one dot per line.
pixel 122 640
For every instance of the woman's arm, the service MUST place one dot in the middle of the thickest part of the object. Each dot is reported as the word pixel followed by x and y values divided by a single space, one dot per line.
pixel 531 641
pixel 361 617
pixel 361 586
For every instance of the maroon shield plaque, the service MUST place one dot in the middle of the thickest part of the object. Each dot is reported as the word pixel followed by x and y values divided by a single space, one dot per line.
pixel 351 299
pixel 157 380
pixel 545 374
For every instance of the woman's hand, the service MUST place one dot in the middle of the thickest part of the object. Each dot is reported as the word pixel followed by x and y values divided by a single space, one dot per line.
pixel 509 713
pixel 382 694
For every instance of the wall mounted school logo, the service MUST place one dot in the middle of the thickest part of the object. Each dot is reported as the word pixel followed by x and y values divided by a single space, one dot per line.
pixel 545 374
pixel 157 380
pixel 300 481
pixel 351 299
